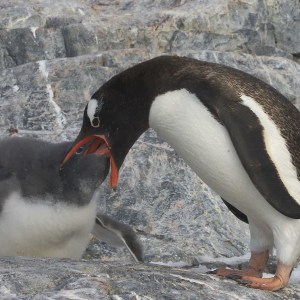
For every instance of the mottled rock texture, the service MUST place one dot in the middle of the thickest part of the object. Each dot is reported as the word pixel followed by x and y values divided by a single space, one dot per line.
pixel 55 54
pixel 45 279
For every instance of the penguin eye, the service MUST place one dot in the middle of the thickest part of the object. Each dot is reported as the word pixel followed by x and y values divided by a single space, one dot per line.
pixel 80 150
pixel 95 122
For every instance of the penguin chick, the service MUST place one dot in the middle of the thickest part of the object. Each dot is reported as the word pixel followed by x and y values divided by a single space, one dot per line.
pixel 45 211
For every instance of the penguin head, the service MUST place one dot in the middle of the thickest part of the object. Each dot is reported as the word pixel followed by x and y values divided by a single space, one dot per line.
pixel 118 113
pixel 110 126
pixel 83 174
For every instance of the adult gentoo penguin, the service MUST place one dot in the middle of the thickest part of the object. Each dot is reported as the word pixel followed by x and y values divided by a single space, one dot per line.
pixel 48 212
pixel 239 134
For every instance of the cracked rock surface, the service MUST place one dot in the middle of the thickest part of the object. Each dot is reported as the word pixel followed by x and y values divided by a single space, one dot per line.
pixel 55 54
pixel 65 279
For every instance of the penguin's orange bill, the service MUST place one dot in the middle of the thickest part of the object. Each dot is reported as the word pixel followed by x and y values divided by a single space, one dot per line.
pixel 96 144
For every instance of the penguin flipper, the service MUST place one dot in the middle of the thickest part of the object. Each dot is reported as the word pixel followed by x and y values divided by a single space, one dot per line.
pixel 248 136
pixel 236 212
pixel 118 234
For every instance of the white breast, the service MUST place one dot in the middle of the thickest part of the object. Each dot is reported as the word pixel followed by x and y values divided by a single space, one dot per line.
pixel 187 125
pixel 44 229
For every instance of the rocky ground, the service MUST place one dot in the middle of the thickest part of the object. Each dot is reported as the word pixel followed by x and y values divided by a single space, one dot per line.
pixel 44 279
pixel 55 54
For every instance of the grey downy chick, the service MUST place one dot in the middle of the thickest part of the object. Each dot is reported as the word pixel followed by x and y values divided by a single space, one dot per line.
pixel 45 211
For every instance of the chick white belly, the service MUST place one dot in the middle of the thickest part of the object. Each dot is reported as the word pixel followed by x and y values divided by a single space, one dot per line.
pixel 187 125
pixel 44 229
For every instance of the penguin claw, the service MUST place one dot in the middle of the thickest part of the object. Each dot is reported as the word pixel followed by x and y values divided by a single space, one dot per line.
pixel 244 282
pixel 252 277
pixel 234 274
pixel 234 277
pixel 240 279
pixel 272 284
pixel 212 272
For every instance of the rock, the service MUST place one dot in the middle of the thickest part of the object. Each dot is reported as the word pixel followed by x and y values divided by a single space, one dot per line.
pixel 72 29
pixel 41 279
pixel 54 55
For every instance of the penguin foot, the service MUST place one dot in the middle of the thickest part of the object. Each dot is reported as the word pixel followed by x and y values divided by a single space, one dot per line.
pixel 255 268
pixel 235 274
pixel 271 284
pixel 275 283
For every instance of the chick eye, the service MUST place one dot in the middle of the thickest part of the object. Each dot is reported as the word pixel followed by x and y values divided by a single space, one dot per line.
pixel 80 150
pixel 95 122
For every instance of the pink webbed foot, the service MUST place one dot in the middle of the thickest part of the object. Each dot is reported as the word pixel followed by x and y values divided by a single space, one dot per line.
pixel 275 283
pixel 255 268
pixel 234 273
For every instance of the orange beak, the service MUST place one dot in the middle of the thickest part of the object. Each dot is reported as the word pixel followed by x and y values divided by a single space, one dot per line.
pixel 99 146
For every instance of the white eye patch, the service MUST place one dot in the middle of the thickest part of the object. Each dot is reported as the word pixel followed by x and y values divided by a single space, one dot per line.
pixel 93 108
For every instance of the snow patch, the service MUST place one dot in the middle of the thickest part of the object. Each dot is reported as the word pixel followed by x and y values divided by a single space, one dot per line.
pixel 295 277
pixel 43 68
pixel 201 269
pixel 226 260
pixel 192 280
pixel 33 30
pixel 5 291
pixel 50 93
pixel 76 294
pixel 61 120
pixel 81 11
pixel 116 297
pixel 15 88
pixel 137 297
pixel 178 264
pixel 13 23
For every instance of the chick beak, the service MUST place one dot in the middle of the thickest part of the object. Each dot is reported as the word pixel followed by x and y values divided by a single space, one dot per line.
pixel 95 144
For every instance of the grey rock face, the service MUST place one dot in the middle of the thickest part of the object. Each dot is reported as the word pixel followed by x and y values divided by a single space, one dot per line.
pixel 42 279
pixel 55 54
pixel 47 30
